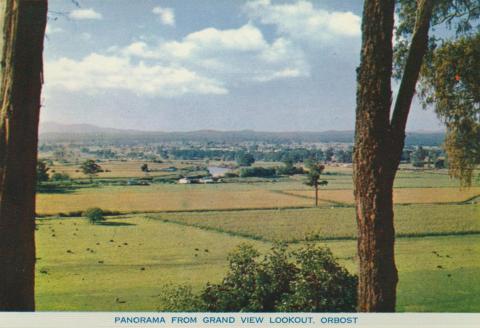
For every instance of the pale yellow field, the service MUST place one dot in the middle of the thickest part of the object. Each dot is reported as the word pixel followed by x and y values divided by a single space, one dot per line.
pixel 400 195
pixel 118 169
pixel 160 198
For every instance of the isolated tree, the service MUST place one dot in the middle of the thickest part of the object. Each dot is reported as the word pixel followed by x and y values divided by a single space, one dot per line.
pixel 144 168
pixel 380 133
pixel 42 172
pixel 313 177
pixel 22 28
pixel 90 168
pixel 94 215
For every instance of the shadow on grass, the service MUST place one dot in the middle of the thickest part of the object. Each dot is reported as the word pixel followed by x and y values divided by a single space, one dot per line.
pixel 56 189
pixel 115 224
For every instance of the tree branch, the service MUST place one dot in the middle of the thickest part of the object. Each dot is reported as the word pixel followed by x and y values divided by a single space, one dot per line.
pixel 458 13
pixel 417 51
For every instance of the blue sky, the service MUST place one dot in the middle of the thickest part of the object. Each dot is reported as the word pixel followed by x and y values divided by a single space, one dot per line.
pixel 206 64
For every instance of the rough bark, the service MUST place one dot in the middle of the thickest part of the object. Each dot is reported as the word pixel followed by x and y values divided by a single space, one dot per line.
pixel 373 176
pixel 22 24
pixel 378 148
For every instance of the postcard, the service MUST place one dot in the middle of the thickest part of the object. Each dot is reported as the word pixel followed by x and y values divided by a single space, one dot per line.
pixel 269 163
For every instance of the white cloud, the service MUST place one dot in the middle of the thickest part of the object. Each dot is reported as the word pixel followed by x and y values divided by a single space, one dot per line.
pixel 209 61
pixel 231 55
pixel 166 15
pixel 99 72
pixel 285 73
pixel 203 43
pixel 245 38
pixel 302 21
pixel 84 14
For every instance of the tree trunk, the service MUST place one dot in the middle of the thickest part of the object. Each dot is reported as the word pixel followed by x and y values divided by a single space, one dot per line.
pixel 379 145
pixel 373 170
pixel 22 24
pixel 416 53
pixel 316 194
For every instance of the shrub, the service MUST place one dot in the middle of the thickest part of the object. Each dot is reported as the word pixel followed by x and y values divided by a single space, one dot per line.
pixel 306 280
pixel 237 290
pixel 289 170
pixel 60 177
pixel 94 215
pixel 260 172
pixel 320 285
pixel 180 299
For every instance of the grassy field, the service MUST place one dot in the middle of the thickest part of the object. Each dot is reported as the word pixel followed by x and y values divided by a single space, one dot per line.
pixel 120 169
pixel 86 267
pixel 280 194
pixel 165 198
pixel 400 195
pixel 330 223
pixel 436 274
pixel 126 264
pixel 428 178
pixel 341 178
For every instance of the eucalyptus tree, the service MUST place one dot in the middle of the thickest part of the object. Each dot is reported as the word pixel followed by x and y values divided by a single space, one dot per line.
pixel 380 122
pixel 22 28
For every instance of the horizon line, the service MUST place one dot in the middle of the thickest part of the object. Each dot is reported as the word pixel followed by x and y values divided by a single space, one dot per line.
pixel 215 130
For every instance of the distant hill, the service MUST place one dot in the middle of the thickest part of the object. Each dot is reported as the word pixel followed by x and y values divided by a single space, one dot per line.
pixel 59 128
pixel 56 132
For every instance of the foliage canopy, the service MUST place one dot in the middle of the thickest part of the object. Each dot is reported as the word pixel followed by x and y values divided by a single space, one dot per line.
pixel 94 215
pixel 449 79
pixel 42 171
pixel 305 280
pixel 90 167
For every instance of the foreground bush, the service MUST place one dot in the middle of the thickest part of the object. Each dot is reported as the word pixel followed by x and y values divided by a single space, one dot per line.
pixel 180 299
pixel 94 215
pixel 305 280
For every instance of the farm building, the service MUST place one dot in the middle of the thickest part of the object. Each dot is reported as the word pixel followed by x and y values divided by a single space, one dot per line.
pixel 184 181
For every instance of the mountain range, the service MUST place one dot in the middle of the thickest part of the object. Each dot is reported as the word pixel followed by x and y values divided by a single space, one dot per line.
pixel 52 131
